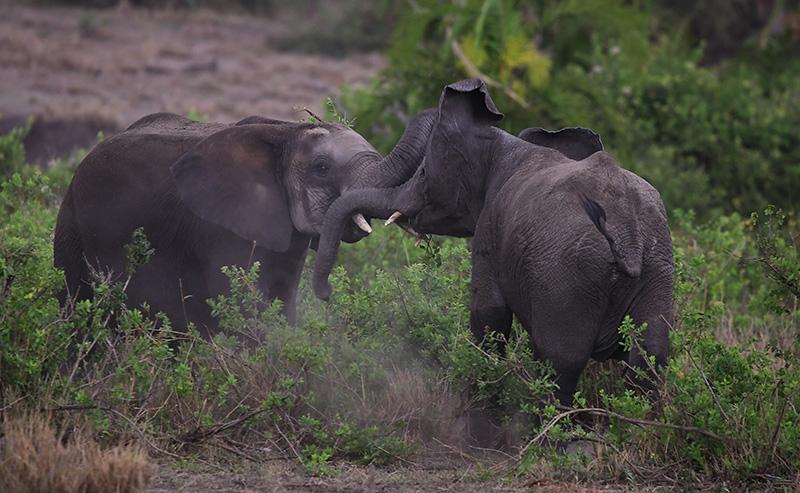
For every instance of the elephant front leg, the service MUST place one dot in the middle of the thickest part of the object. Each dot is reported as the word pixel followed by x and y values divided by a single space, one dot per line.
pixel 280 275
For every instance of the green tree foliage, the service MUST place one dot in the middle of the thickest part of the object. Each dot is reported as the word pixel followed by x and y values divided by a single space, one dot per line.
pixel 709 138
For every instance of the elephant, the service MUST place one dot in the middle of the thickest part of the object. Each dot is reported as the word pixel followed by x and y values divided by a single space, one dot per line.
pixel 211 194
pixel 576 143
pixel 563 238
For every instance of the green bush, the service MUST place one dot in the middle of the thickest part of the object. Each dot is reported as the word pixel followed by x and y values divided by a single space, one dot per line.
pixel 12 152
pixel 32 339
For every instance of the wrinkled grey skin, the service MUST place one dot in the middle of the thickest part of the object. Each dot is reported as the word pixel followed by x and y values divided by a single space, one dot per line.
pixel 209 195
pixel 568 246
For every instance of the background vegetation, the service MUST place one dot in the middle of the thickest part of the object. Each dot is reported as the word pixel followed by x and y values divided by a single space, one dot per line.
pixel 387 370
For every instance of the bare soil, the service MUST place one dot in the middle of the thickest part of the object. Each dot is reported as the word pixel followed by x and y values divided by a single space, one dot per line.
pixel 464 476
pixel 84 70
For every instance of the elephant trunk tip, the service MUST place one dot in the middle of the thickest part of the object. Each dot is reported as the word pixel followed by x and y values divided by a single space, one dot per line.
pixel 322 288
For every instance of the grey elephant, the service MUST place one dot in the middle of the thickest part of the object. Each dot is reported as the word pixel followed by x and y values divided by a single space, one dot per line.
pixel 569 246
pixel 209 195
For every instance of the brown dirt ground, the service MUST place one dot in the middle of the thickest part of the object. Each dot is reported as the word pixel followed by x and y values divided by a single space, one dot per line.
pixel 452 476
pixel 104 69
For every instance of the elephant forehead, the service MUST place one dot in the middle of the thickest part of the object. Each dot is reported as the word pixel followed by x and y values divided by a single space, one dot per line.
pixel 317 131
pixel 344 144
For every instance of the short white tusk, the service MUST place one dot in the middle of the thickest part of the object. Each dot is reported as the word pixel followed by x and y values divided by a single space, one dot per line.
pixel 394 217
pixel 411 230
pixel 362 223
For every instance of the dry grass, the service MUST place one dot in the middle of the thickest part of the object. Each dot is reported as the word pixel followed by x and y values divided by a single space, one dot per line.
pixel 429 409
pixel 35 458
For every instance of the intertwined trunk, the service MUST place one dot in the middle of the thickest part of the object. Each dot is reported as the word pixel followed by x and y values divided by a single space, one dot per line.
pixel 404 159
pixel 374 194
pixel 373 202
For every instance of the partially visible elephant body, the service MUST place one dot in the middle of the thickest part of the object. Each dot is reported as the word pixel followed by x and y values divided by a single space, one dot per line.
pixel 125 183
pixel 538 253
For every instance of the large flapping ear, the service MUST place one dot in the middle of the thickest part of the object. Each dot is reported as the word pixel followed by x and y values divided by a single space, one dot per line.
pixel 469 98
pixel 575 143
pixel 231 178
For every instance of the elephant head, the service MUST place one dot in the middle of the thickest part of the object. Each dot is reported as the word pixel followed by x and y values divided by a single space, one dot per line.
pixel 438 199
pixel 266 180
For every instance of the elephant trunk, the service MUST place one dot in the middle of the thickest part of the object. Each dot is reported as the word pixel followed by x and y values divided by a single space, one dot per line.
pixel 406 156
pixel 374 202
pixel 374 194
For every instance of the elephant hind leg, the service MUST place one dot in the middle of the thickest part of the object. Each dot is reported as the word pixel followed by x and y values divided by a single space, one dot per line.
pixel 654 307
pixel 568 368
pixel 563 333
pixel 488 309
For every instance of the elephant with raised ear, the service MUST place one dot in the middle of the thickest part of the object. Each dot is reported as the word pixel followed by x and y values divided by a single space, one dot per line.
pixel 563 238
pixel 210 195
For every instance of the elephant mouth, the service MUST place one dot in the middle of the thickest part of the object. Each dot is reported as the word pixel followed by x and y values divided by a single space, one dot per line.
pixel 428 221
pixel 408 224
pixel 354 232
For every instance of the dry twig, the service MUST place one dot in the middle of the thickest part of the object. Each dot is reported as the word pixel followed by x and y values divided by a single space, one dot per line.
pixel 603 412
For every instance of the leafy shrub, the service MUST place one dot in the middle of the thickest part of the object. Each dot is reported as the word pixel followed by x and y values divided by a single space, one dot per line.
pixel 12 152
pixel 32 338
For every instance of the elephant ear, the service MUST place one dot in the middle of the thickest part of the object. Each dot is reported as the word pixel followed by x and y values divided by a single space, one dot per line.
pixel 575 143
pixel 468 98
pixel 231 179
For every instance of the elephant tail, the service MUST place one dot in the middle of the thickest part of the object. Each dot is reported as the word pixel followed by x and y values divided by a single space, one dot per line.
pixel 625 247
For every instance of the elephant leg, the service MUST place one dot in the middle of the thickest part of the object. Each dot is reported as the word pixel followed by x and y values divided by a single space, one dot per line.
pixel 488 309
pixel 488 313
pixel 652 306
pixel 561 343
pixel 280 275
pixel 563 331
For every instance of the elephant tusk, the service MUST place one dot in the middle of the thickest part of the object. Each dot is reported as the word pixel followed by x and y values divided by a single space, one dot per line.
pixel 394 217
pixel 408 229
pixel 362 223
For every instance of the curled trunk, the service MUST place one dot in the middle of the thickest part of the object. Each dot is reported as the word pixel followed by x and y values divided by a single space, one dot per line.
pixel 374 202
pixel 374 194
pixel 406 156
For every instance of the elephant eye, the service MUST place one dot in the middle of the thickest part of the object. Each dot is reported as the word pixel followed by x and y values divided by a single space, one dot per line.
pixel 321 168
